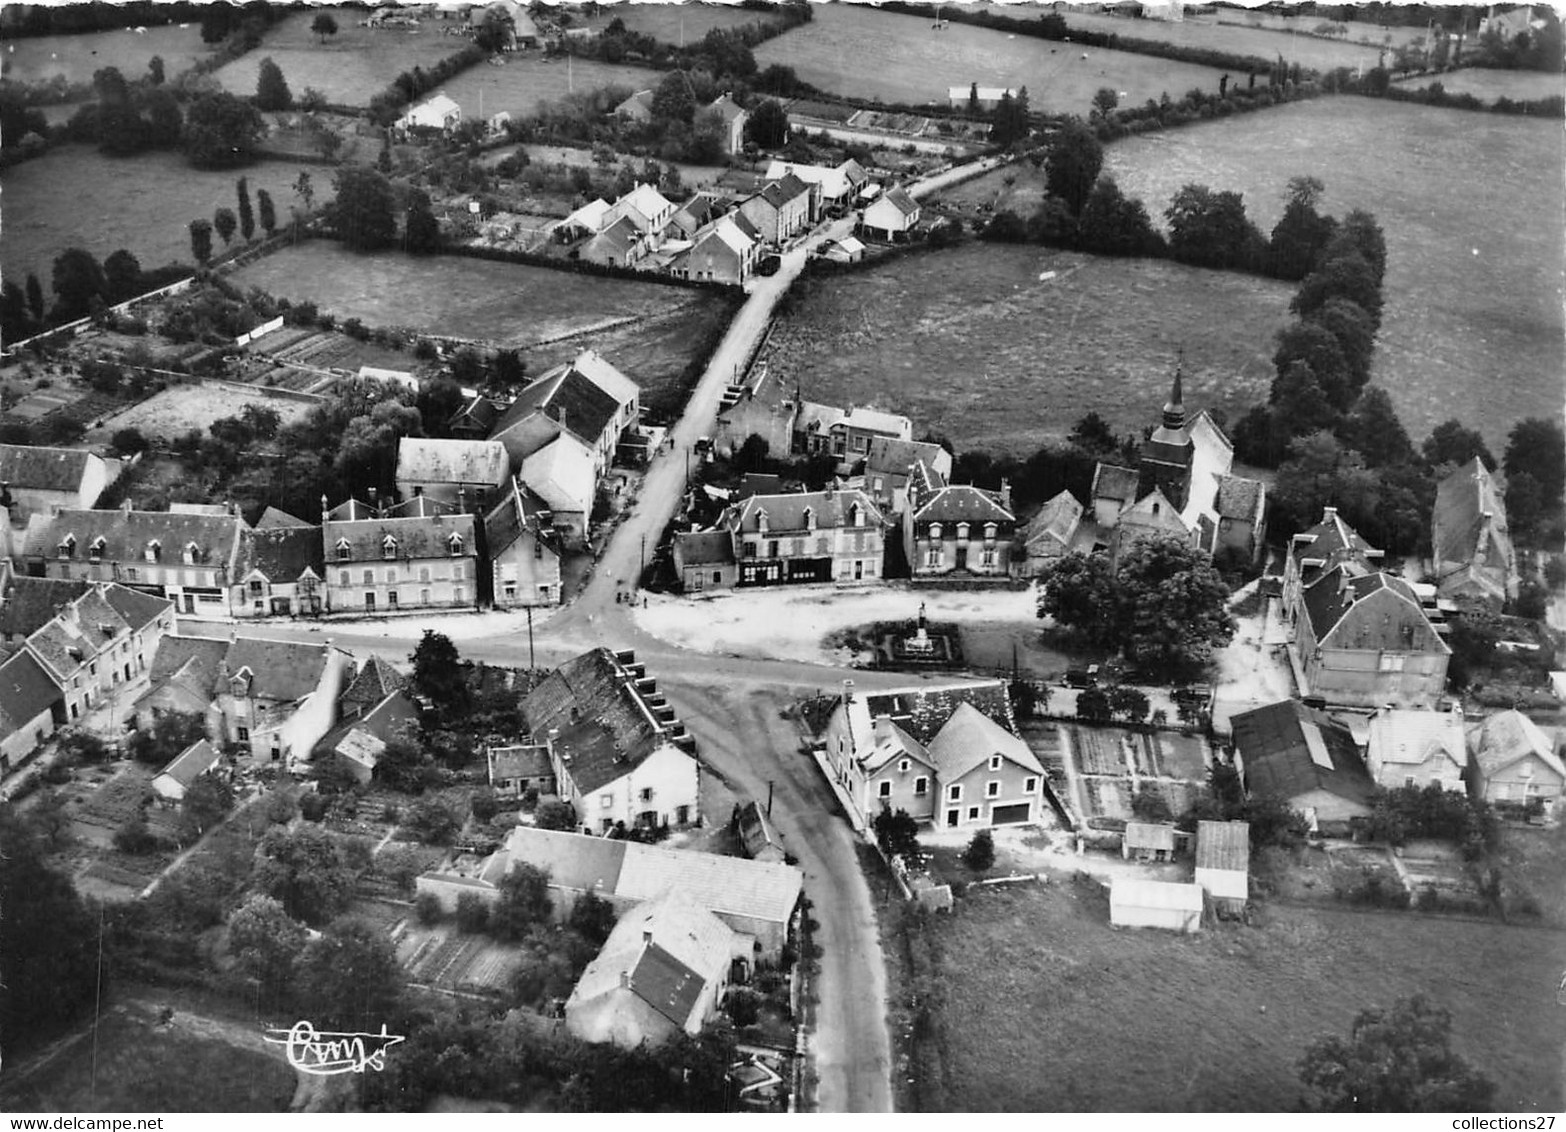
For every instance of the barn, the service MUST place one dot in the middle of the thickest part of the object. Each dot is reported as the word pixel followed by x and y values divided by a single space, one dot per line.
pixel 1148 841
pixel 1223 853
pixel 1155 904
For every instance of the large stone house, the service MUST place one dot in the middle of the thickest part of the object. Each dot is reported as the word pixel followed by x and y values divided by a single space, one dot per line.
pixel 835 535
pixel 721 252
pixel 98 645
pixel 581 399
pixel 464 473
pixel 891 216
pixel 780 211
pixel 1475 564
pixel 524 551
pixel 835 185
pixel 418 554
pixel 42 481
pixel 731 117
pixel 32 706
pixel 956 529
pixel 890 464
pixel 1051 534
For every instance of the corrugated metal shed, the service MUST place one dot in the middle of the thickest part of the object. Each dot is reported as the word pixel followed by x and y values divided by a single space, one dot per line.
pixel 1155 904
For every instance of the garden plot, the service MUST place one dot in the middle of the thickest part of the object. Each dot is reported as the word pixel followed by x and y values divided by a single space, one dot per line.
pixel 1111 764
pixel 181 408
pixel 447 959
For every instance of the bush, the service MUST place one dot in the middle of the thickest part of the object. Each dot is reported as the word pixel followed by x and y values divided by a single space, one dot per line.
pixel 484 805
pixel 313 807
pixel 427 907
pixel 129 441
pixel 743 1007
pixel 135 838
pixel 980 853
pixel 472 912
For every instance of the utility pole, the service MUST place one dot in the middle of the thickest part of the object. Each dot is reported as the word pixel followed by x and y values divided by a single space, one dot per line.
pixel 641 562
pixel 531 663
pixel 769 797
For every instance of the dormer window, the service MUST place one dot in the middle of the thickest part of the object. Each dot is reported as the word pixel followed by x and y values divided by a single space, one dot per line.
pixel 154 552
pixel 192 554
pixel 68 546
pixel 935 530
pixel 856 516
pixel 344 553
pixel 761 520
pixel 810 518
pixel 95 551
pixel 388 547
pixel 454 545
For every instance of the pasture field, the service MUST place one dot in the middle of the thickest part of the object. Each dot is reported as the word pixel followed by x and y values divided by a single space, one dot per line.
pixel 976 344
pixel 352 66
pixel 668 22
pixel 528 80
pixel 76 57
pixel 1473 326
pixel 1124 1019
pixel 1490 83
pixel 914 64
pixel 143 203
pixel 184 407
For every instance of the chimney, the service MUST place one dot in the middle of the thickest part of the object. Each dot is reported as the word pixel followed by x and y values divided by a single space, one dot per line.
pixel 375 502
pixel 647 936
pixel 881 728
pixel 625 979
pixel 228 505
pixel 1328 514
pixel 325 510
pixel 1005 493
pixel 125 506
pixel 848 691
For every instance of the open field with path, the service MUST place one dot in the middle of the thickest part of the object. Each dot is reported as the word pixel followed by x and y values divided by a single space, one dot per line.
pixel 915 64
pixel 1489 84
pixel 1108 1019
pixel 352 66
pixel 75 196
pixel 972 343
pixel 1473 326
pixel 528 80
pixel 76 57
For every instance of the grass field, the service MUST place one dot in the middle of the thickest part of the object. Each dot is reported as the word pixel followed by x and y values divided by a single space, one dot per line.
pixel 528 80
pixel 1068 1014
pixel 972 342
pixel 1489 84
pixel 75 196
pixel 914 64
pixel 1473 326
pixel 352 66
pixel 184 407
pixel 76 57
pixel 669 22
pixel 1360 31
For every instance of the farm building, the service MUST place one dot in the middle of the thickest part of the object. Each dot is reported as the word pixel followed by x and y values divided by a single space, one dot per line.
pixel 452 471
pixel 637 108
pixel 438 113
pixel 515 770
pixel 191 763
pixel 1304 757
pixel 732 118
pixel 1155 904
pixel 1149 841
pixel 41 481
pixel 1223 855
pixel 1474 560
pixel 1049 534
pixel 705 560
pixel 31 706
pixel 756 834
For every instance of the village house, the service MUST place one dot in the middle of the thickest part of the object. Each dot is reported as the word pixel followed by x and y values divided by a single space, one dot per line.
pixel 731 118
pixel 764 408
pixel 986 774
pixel 636 108
pixel 694 215
pixel 719 253
pixel 662 972
pixel 1417 748
pixel 100 644
pixel 1050 535
pixel 619 754
pixel 435 113
pixel 516 769
pixel 190 559
pixel 1306 759
pixel 563 477
pixel 418 554
pixel 465 473
pixel 32 708
pixel 818 536
pixel 589 220
pixel 171 783
pixel 28 604
pixel 524 550
pixel 780 211
pixel 957 529
pixel 647 209
pixel 362 733
pixel 1515 761
pixel 619 244
pixel 825 428
pixel 43 481
pixel 704 560
pixel 570 399
pixel 890 463
pixel 891 216
pixel 1475 564
pixel 835 185
pixel 1223 864
pixel 280 572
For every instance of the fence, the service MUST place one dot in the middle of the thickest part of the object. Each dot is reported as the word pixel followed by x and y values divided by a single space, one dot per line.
pixel 71 329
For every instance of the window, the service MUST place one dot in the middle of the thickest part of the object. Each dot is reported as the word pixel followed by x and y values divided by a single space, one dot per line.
pixel 921 786
pixel 391 576
pixel 992 789
pixel 647 794
pixel 369 577
pixel 605 802
pixel 932 557
pixel 962 532
pixel 973 813
pixel 424 574
pixel 987 556
pixel 391 600
pixel 989 531
pixel 1029 785
pixel 95 551
pixel 388 547
pixel 954 793
pixel 772 548
pixel 67 546
pixel 424 597
pixel 454 544
pixel 256 588
pixel 511 591
pixel 822 546
pixel 458 572
pixel 369 602
pixel 130 573
pixel 856 516
pixel 154 551
pixel 903 766
pixel 458 595
pixel 717 577
pixel 1392 662
pixel 342 578
pixel 995 762
pixel 244 734
pixel 750 549
pixel 538 549
pixel 935 530
pixel 809 518
pixel 192 554
pixel 344 552
pixel 1408 780
pixel 885 789
pixel 796 547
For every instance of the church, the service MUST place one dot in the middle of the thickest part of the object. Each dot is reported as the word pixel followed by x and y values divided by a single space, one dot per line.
pixel 1181 488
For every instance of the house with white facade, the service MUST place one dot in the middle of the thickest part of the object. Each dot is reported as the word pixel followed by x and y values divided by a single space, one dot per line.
pixel 42 481
pixel 418 554
pixel 1417 748
pixel 524 550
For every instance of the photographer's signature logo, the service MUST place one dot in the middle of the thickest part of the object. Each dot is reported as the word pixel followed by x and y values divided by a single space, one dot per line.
pixel 326 1054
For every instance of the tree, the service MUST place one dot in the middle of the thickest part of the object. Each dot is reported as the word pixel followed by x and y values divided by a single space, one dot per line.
pixel 226 223
pixel 267 210
pixel 1172 605
pixel 592 917
pixel 523 901
pixel 1129 703
pixel 896 832
pixel 1072 163
pixel 1009 120
pixel 1114 224
pixel 35 298
pixel 165 122
pixel 221 130
pixel 363 210
pixel 1398 1060
pixel 1078 592
pixel 1211 229
pixel 767 125
pixel 1149 804
pixel 1093 705
pixel 272 93
pixel 129 441
pixel 1105 99
pixel 78 280
pixel 122 274
pixel 323 26
pixel 434 821
pixel 1374 430
pixel 472 912
pixel 1093 435
pixel 48 939
pixel 1536 447
pixel 1298 402
pixel 304 189
pixel 484 804
pixel 308 870
pixel 1316 346
pixel 1451 443
pixel 1302 233
pixel 405 765
pixel 1356 334
pixel 422 229
pixel 155 70
pixel 266 943
pixel 674 99
pixel 205 803
pixel 201 240
pixel 247 218
pixel 438 674
pixel 980 853
pixel 556 815
pixel 351 978
pixel 1340 276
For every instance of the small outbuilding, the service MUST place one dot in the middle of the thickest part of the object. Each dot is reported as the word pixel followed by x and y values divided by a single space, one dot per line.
pixel 1223 856
pixel 1148 841
pixel 1155 904
pixel 190 764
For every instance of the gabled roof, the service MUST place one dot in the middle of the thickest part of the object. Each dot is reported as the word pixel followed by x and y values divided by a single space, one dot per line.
pixel 829 509
pixel 126 535
pixel 30 603
pixel 363 738
pixel 375 680
pixel 923 710
pixel 605 729
pixel 888 742
pixel 26 692
pixel 43 469
pixel 194 761
pixel 1509 737
pixel 1238 497
pixel 1154 513
pixel 275 519
pixel 194 660
pixel 1411 737
pixel 706 548
pixel 478 414
pixel 1327 544
pixel 1372 612
pixel 572 860
pixel 565 395
pixel 517 513
pixel 1223 845
pixel 79 632
pixel 1111 481
pixel 1056 521
pixel 283 671
pixel 138 609
pixel 879 421
pixel 961 503
pixel 764 890
pixel 596 368
pixel 280 554
pixel 526 760
pixel 1290 749
pixel 697 211
pixel 893 457
pixel 834 180
pixel 899 199
pixel 728 233
pixel 1468 511
pixel 647 200
pixel 416 537
pixel 1150 835
pixel 562 474
pixel 726 107
pixel 620 237
pixel 641 100
pixel 423 460
pixel 969 738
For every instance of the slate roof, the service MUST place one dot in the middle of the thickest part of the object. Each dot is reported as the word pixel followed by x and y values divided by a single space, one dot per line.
pixel 641 100
pixel 416 537
pixel 30 603
pixel 194 659
pixel 597 369
pixel 285 671
pixel 528 760
pixel 755 833
pixel 1223 845
pixel 572 860
pixel 891 456
pixel 1277 742
pixel 478 415
pixel 587 409
pixel 962 503
pixel 605 731
pixel 648 201
pixel 194 761
pixel 1239 497
pixel 126 535
pixel 281 554
pixel 1509 736
pixel 786 513
pixel 138 609
pixel 726 107
pixel 922 711
pixel 375 680
pixel 562 474
pixel 364 737
pixel 42 469
pixel 1343 614
pixel 899 199
pixel 1158 836
pixel 26 692
pixel 888 742
pixel 1459 522
pixel 619 239
pixel 1111 481
pixel 967 740
pixel 275 519
pixel 423 460
pixel 1330 542
pixel 1056 520
pixel 590 216
pixel 517 513
pixel 1409 737
pixel 706 548
pixel 79 632
pixel 695 213
pixel 758 483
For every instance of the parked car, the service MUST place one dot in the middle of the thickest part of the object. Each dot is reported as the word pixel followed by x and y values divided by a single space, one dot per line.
pixel 769 265
pixel 1080 677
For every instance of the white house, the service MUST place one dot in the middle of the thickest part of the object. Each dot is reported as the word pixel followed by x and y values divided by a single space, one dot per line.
pixel 191 763
pixel 437 113
pixel 42 481
pixel 1417 748
pixel 891 216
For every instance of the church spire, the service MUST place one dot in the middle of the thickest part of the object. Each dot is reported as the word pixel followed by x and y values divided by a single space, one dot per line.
pixel 1174 408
